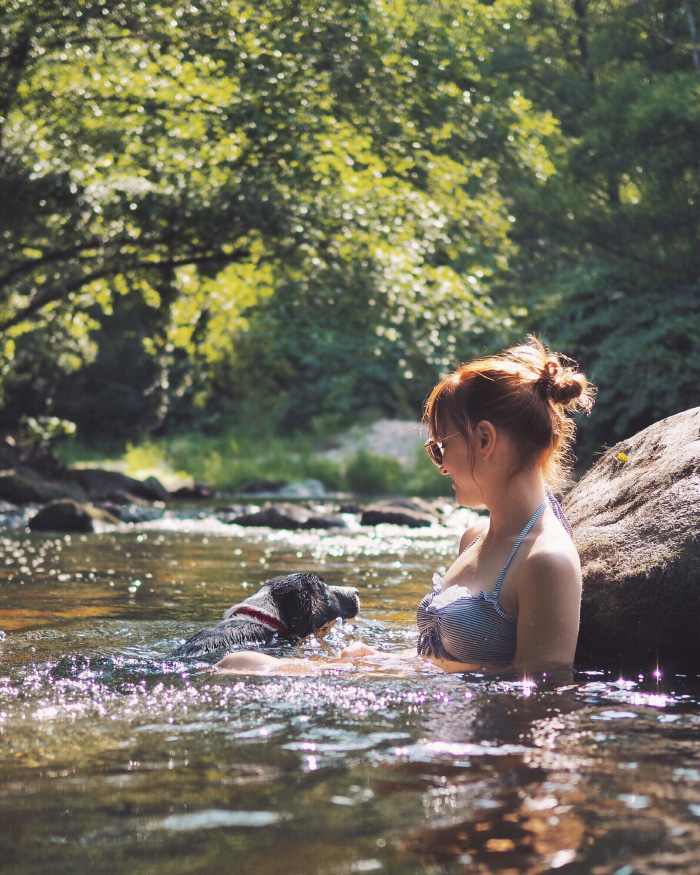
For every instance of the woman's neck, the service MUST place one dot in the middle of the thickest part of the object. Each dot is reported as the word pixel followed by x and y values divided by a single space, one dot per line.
pixel 513 502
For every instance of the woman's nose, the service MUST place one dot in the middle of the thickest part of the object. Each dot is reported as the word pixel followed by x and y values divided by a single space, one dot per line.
pixel 443 470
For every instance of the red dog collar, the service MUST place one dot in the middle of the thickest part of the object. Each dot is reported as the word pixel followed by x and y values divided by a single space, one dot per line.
pixel 260 617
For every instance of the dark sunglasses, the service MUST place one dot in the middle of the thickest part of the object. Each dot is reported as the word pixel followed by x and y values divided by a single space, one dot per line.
pixel 435 449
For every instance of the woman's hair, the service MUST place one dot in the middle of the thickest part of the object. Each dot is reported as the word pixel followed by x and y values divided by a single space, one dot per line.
pixel 527 392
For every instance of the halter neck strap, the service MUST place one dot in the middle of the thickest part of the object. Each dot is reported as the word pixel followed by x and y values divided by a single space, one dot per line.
pixel 533 519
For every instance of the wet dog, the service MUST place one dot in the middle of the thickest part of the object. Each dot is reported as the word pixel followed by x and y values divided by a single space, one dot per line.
pixel 290 607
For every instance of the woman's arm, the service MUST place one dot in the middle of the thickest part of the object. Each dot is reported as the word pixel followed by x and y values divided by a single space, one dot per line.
pixel 549 602
pixel 358 649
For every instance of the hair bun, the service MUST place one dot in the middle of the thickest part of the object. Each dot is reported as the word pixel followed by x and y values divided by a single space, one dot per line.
pixel 567 387
pixel 560 384
pixel 548 375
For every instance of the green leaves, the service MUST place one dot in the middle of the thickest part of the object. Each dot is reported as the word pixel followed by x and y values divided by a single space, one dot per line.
pixel 218 160
pixel 329 205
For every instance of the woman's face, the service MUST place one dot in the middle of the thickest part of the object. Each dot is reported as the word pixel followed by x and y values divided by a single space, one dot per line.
pixel 459 463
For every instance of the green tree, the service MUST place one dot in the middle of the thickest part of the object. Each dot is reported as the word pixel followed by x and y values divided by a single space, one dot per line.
pixel 313 186
pixel 610 245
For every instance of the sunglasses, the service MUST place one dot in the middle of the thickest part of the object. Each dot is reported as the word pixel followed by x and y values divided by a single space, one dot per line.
pixel 435 449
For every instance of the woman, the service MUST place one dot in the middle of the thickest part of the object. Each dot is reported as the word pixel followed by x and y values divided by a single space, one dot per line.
pixel 500 429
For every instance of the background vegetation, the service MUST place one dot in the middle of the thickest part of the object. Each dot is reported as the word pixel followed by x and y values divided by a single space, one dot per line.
pixel 275 218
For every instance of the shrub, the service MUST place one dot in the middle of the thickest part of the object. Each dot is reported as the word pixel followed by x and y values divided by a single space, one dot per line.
pixel 368 474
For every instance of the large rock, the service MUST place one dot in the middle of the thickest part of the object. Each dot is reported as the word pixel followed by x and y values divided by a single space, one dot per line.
pixel 399 512
pixel 100 485
pixel 637 528
pixel 22 485
pixel 25 485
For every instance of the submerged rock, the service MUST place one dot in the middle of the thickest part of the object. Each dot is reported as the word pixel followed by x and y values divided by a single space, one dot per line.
pixel 289 516
pixel 636 521
pixel 66 515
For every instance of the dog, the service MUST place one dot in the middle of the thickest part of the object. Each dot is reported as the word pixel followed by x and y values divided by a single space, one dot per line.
pixel 289 607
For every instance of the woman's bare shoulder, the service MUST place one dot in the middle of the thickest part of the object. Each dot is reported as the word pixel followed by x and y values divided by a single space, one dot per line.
pixel 472 533
pixel 551 559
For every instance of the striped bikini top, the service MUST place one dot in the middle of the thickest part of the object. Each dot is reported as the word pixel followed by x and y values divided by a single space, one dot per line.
pixel 456 625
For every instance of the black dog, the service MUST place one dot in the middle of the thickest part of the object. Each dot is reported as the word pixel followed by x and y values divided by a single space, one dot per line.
pixel 291 607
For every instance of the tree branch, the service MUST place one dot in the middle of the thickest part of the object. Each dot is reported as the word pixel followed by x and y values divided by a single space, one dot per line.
pixel 57 292
pixel 647 17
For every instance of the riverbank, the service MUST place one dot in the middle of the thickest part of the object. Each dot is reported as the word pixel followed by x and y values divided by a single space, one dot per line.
pixel 384 457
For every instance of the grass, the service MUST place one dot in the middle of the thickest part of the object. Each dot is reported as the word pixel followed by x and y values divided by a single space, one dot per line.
pixel 229 460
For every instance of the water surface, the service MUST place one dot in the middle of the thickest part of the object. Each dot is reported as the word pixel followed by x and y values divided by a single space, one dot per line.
pixel 114 758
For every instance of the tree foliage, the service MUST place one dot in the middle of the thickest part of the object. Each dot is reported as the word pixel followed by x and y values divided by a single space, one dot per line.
pixel 613 238
pixel 322 207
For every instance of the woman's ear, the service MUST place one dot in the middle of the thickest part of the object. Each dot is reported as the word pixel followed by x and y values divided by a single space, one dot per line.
pixel 485 435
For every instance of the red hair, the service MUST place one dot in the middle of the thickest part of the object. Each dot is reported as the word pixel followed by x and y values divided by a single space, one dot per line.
pixel 528 393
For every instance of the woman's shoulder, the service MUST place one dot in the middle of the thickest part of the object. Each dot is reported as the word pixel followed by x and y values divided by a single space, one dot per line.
pixel 470 535
pixel 551 558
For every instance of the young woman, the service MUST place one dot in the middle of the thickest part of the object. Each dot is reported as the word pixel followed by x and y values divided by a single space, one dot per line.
pixel 501 430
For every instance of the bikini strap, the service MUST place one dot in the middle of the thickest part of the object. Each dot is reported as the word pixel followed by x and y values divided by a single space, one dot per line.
pixel 559 512
pixel 533 519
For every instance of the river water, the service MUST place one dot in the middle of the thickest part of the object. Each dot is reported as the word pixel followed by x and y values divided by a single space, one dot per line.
pixel 114 759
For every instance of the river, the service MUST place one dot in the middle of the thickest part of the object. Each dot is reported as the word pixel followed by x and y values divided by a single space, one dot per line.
pixel 115 759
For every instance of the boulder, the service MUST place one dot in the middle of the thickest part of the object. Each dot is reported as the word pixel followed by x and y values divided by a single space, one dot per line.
pixel 151 489
pixel 100 485
pixel 288 516
pixel 412 503
pixel 636 521
pixel 22 485
pixel 398 513
pixel 70 516
pixel 196 492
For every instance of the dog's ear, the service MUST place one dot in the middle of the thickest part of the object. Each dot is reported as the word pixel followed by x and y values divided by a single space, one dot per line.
pixel 296 608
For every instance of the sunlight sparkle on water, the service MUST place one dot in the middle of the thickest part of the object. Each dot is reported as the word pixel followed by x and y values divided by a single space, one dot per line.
pixel 95 719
